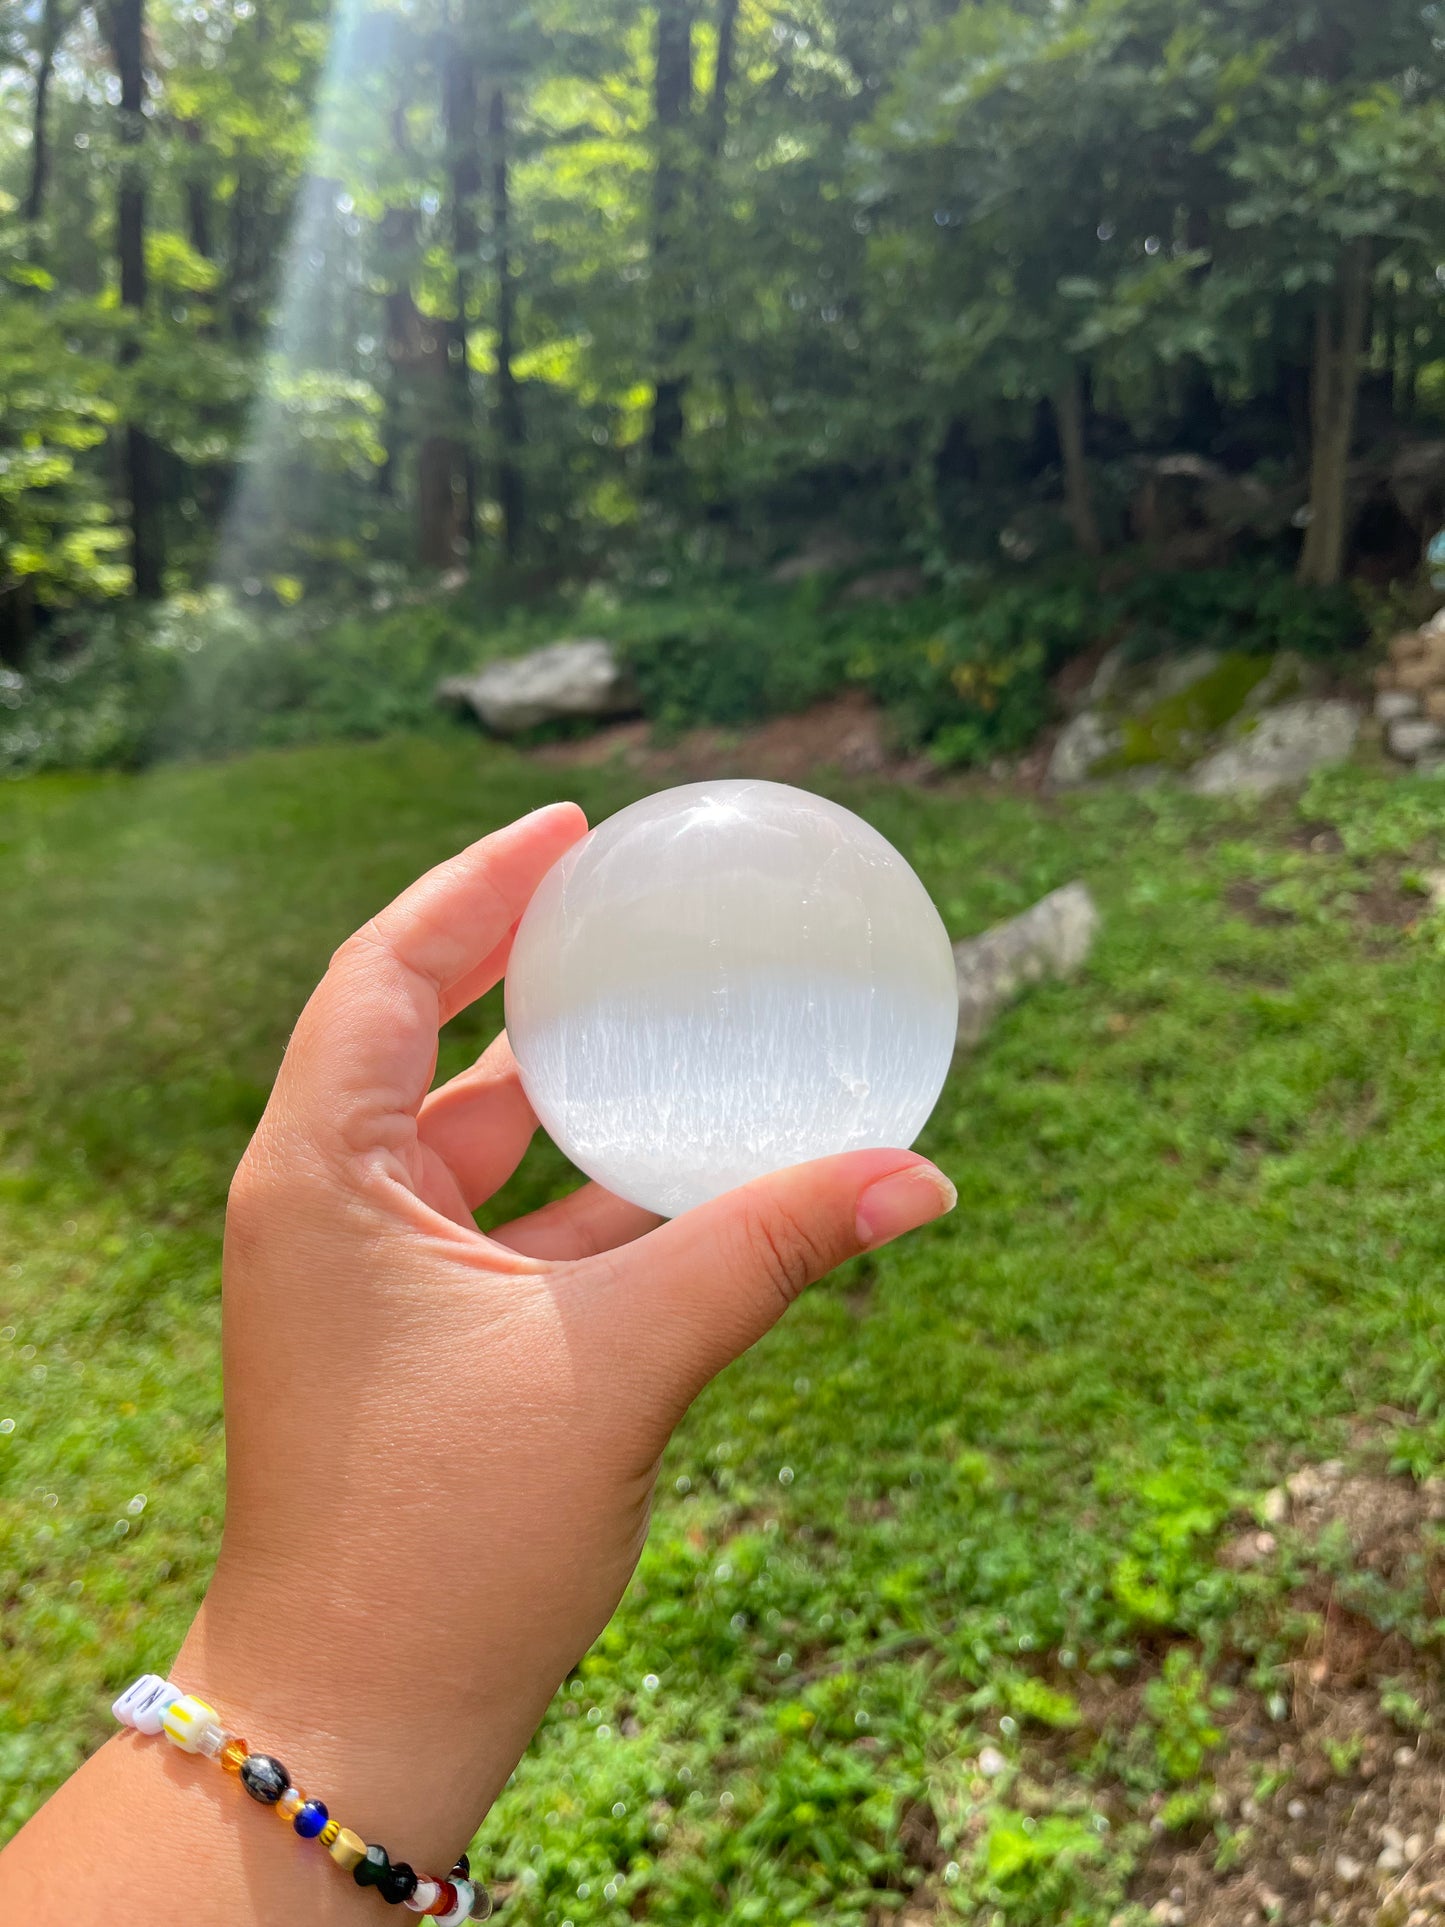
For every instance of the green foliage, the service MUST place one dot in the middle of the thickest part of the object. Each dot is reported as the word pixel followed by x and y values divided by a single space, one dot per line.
pixel 976 684
pixel 1184 1709
pixel 717 655
pixel 908 253
pixel 1197 1235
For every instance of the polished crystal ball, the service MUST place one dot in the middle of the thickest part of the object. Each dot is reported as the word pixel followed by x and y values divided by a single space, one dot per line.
pixel 724 979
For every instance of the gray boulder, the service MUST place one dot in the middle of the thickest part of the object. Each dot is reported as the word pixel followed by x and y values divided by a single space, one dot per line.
pixel 1412 736
pixel 1083 743
pixel 1281 745
pixel 581 677
pixel 1050 940
pixel 1396 705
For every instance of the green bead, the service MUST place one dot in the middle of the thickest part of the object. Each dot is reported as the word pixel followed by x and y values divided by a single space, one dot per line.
pixel 372 1868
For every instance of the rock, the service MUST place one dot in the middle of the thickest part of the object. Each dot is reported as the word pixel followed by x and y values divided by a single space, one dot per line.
pixel 1432 1491
pixel 824 554
pixel 1435 705
pixel 1282 746
pixel 1394 705
pixel 1274 1507
pixel 887 585
pixel 1296 1809
pixel 1414 736
pixel 1347 1869
pixel 1082 745
pixel 1406 646
pixel 1390 1859
pixel 1175 674
pixel 576 678
pixel 1051 940
pixel 991 1762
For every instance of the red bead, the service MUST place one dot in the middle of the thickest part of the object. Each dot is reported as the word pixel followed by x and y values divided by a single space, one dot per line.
pixel 445 1900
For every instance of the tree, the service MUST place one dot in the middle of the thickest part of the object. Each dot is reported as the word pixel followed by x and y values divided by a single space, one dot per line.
pixel 125 25
pixel 672 325
pixel 55 18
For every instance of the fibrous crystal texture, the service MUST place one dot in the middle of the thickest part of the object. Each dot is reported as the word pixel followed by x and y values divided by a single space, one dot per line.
pixel 724 979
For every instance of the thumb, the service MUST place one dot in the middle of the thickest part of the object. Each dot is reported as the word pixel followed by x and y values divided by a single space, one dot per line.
pixel 695 1293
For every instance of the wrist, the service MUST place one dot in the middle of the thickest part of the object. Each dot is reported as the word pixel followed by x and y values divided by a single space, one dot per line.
pixel 360 1709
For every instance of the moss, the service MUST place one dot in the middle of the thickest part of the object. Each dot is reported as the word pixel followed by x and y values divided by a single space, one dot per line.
pixel 1171 731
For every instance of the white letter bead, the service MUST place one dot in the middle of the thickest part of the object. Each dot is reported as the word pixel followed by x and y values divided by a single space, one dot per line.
pixel 466 1894
pixel 142 1705
pixel 186 1722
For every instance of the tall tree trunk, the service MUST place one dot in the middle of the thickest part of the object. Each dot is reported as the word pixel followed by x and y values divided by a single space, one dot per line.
pixel 1078 499
pixel 1340 323
pixel 241 252
pixel 125 22
pixel 416 346
pixel 198 199
pixel 722 79
pixel 672 310
pixel 459 114
pixel 510 426
pixel 53 22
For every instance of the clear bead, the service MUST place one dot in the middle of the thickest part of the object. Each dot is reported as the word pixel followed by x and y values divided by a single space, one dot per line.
pixel 481 1906
pixel 212 1740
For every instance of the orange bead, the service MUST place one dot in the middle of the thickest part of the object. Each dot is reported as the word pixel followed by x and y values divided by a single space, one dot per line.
pixel 232 1754
pixel 290 1804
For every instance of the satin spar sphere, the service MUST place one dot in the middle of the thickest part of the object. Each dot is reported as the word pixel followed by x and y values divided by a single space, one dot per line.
pixel 724 979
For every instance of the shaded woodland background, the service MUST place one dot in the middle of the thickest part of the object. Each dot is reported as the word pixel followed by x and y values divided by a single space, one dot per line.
pixel 318 302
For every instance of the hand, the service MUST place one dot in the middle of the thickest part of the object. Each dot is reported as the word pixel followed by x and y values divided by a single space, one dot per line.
pixel 442 1446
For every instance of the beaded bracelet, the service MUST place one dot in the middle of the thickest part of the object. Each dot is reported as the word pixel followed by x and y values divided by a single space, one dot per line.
pixel 153 1706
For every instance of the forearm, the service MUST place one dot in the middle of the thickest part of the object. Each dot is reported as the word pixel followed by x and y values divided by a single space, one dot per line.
pixel 144 1827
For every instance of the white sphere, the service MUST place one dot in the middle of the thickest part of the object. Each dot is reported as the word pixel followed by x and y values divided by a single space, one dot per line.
pixel 724 979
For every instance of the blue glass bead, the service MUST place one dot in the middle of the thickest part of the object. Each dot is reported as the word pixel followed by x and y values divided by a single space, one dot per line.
pixel 310 1819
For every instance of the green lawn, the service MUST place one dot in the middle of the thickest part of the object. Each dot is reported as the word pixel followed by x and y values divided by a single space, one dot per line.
pixel 1201 1218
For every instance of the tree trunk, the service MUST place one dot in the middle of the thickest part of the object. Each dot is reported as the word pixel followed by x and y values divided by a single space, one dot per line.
pixel 198 200
pixel 510 426
pixel 241 251
pixel 52 25
pixel 125 22
pixel 1340 323
pixel 672 309
pixel 459 114
pixel 416 346
pixel 1078 501
pixel 717 107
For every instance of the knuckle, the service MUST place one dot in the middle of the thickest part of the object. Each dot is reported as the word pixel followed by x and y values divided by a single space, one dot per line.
pixel 780 1249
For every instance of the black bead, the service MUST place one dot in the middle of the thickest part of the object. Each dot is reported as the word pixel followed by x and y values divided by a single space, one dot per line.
pixel 463 1867
pixel 264 1779
pixel 372 1868
pixel 398 1883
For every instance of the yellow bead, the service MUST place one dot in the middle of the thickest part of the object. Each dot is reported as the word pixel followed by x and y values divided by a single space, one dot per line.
pixel 185 1720
pixel 290 1804
pixel 329 1832
pixel 346 1849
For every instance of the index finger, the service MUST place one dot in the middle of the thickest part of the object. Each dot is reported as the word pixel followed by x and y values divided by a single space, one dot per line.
pixel 365 1047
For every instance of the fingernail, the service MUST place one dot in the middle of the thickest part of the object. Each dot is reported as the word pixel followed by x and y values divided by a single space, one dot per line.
pixel 902 1202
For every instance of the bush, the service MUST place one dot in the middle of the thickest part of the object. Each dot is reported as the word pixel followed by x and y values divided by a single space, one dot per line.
pixel 728 659
pixel 969 686
pixel 964 673
pixel 206 677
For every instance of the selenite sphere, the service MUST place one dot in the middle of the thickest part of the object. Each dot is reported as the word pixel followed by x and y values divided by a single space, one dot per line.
pixel 724 979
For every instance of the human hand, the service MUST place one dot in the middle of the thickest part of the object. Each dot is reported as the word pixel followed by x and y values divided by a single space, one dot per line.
pixel 442 1446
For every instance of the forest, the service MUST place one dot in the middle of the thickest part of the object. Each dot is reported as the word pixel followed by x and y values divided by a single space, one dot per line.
pixel 308 301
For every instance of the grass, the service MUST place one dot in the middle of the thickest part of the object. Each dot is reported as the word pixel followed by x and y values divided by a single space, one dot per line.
pixel 970 1479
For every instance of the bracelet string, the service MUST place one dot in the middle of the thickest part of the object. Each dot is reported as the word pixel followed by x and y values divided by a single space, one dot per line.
pixel 153 1706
